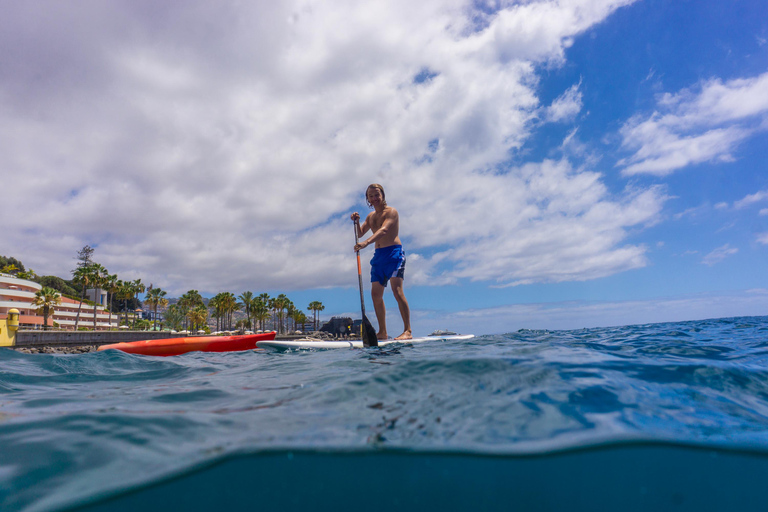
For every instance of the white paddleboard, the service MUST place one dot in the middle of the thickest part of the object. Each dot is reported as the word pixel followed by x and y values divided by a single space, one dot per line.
pixel 320 345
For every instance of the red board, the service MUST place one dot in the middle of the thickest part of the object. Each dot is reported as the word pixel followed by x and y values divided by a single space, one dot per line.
pixel 177 346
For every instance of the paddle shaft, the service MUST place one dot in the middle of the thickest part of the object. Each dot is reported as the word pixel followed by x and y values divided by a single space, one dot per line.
pixel 359 271
pixel 366 329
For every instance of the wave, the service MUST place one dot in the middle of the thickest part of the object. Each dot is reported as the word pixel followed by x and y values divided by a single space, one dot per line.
pixel 75 428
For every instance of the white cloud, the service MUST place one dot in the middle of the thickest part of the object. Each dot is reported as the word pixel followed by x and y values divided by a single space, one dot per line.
pixel 751 199
pixel 565 107
pixel 763 238
pixel 222 146
pixel 695 126
pixel 694 211
pixel 541 222
pixel 719 254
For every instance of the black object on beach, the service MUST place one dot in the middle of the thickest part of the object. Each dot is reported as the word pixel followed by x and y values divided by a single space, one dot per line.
pixel 369 333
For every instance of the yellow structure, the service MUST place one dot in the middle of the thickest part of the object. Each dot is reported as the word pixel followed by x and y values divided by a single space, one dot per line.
pixel 8 328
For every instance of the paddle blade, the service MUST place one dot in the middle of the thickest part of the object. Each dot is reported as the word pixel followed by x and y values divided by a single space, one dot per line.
pixel 369 334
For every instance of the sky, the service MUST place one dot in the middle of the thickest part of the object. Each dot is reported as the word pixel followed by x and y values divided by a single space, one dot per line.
pixel 555 164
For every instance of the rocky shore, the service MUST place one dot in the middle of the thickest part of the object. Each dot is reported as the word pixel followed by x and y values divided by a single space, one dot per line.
pixel 57 350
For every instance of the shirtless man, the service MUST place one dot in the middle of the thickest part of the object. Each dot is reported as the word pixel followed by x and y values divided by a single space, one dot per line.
pixel 388 263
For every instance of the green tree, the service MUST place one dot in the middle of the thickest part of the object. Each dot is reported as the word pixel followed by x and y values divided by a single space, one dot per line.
pixel 315 306
pixel 260 309
pixel 137 287
pixel 198 316
pixel 217 305
pixel 155 297
pixel 6 261
pixel 9 269
pixel 28 274
pixel 189 301
pixel 142 325
pixel 174 317
pixel 82 275
pixel 111 284
pixel 59 285
pixel 230 306
pixel 246 302
pixel 280 304
pixel 298 317
pixel 124 292
pixel 98 278
pixel 289 311
pixel 224 305
pixel 266 305
pixel 46 299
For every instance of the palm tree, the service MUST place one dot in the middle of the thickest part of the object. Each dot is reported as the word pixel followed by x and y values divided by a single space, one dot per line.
pixel 190 301
pixel 111 285
pixel 46 299
pixel 137 287
pixel 298 318
pixel 260 310
pixel 98 278
pixel 247 304
pixel 215 304
pixel 224 304
pixel 264 303
pixel 83 276
pixel 315 306
pixel 155 297
pixel 289 310
pixel 230 306
pixel 280 304
pixel 174 317
pixel 125 292
pixel 272 305
pixel 198 316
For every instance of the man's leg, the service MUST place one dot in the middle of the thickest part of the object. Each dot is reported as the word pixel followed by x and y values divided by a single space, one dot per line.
pixel 377 294
pixel 402 303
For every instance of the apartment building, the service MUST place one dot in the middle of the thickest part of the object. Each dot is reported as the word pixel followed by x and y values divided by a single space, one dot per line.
pixel 19 293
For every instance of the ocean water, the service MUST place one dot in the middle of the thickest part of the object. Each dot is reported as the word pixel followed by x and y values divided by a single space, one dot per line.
pixel 648 417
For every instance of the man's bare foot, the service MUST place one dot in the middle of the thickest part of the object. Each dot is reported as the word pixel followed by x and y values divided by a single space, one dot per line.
pixel 381 336
pixel 405 336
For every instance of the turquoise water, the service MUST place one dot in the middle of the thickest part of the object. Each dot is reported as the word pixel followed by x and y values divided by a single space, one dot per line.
pixel 650 417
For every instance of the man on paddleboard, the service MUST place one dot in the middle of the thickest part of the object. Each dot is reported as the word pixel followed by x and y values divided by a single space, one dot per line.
pixel 388 263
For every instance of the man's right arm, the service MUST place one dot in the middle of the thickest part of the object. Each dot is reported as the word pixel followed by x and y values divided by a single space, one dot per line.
pixel 362 228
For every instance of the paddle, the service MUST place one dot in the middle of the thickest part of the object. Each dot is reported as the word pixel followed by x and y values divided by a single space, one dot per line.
pixel 369 333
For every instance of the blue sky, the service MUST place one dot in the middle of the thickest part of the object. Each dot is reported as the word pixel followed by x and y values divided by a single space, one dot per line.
pixel 555 164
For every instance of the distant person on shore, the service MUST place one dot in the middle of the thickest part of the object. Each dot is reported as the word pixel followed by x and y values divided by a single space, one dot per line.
pixel 388 263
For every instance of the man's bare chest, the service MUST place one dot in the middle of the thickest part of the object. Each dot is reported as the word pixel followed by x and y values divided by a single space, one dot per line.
pixel 377 220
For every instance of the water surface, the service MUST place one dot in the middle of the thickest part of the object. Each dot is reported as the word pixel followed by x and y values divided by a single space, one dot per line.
pixel 672 415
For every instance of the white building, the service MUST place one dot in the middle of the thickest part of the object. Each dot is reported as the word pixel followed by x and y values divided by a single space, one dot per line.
pixel 19 293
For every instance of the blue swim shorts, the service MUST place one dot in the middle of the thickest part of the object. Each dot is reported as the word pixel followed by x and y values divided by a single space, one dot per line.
pixel 388 262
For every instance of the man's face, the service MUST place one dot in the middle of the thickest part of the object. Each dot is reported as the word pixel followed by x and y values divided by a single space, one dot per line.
pixel 374 196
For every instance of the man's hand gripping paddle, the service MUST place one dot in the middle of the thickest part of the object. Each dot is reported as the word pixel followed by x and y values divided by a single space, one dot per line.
pixel 369 333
